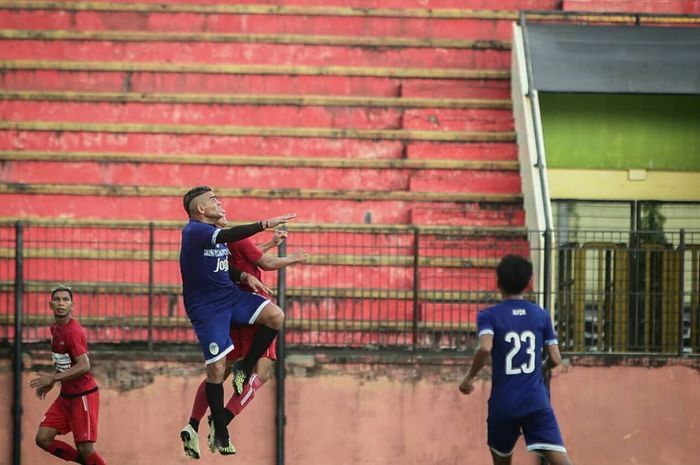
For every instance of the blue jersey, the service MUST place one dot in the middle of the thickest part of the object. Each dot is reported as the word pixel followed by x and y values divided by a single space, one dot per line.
pixel 204 268
pixel 520 329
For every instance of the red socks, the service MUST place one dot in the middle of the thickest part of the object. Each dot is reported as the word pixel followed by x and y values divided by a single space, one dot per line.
pixel 95 459
pixel 68 453
pixel 237 403
pixel 200 405
pixel 63 451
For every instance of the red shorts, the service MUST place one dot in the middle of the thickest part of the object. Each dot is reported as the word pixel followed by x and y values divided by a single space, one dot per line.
pixel 78 415
pixel 242 337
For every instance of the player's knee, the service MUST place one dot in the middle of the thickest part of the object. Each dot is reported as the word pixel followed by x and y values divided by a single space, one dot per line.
pixel 272 317
pixel 85 449
pixel 43 441
pixel 264 369
pixel 44 438
pixel 557 458
pixel 216 371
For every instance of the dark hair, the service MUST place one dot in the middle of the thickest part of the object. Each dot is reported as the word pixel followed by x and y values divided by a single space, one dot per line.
pixel 514 273
pixel 191 194
pixel 62 287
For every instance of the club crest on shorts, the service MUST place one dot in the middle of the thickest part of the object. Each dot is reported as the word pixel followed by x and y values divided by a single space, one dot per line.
pixel 214 348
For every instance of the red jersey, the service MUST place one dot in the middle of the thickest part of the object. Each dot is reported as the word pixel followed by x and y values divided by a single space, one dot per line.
pixel 68 343
pixel 244 254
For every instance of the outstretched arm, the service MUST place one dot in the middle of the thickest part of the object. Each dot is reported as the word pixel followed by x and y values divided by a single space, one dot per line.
pixel 481 356
pixel 237 233
pixel 270 262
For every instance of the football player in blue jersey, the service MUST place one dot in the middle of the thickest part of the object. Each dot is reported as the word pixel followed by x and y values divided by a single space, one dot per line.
pixel 213 302
pixel 513 333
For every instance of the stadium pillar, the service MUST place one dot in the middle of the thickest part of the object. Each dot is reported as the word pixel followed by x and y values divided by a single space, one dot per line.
pixel 17 353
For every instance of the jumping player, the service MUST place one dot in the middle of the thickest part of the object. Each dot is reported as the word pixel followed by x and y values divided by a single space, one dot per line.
pixel 76 408
pixel 513 334
pixel 213 303
pixel 250 259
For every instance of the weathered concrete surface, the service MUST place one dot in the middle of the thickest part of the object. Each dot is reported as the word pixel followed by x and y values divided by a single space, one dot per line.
pixel 368 410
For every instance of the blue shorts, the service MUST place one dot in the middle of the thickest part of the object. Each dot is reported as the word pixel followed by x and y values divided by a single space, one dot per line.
pixel 540 429
pixel 213 326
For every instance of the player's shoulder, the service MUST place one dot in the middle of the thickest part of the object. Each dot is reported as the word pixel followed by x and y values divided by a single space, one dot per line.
pixel 536 309
pixel 193 225
pixel 487 313
pixel 74 327
pixel 242 244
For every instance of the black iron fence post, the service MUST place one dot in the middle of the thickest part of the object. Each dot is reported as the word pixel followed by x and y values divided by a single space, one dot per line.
pixel 681 289
pixel 547 271
pixel 17 362
pixel 416 286
pixel 151 280
pixel 280 371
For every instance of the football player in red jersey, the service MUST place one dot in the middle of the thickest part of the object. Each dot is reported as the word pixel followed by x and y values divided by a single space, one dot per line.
pixel 76 408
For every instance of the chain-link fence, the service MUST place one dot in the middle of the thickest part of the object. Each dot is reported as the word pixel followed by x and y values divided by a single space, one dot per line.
pixel 367 286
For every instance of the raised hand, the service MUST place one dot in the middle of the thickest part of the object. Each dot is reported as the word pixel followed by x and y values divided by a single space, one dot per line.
pixel 277 220
pixel 279 236
pixel 300 256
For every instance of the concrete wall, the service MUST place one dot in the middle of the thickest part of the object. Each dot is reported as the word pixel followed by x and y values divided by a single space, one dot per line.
pixel 367 411
pixel 620 132
pixel 622 147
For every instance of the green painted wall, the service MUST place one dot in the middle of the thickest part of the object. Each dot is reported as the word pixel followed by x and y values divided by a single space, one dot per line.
pixel 607 131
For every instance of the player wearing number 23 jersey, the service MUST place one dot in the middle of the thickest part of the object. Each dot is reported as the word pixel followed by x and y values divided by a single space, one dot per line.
pixel 520 328
pixel 513 334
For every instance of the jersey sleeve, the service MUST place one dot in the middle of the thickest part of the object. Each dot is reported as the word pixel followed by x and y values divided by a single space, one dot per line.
pixel 483 323
pixel 249 251
pixel 550 337
pixel 203 235
pixel 76 342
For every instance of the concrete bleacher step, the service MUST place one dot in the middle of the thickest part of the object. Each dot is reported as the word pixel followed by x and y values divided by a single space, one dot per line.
pixel 250 49
pixel 314 176
pixel 261 19
pixel 258 131
pixel 129 239
pixel 164 203
pixel 246 177
pixel 466 181
pixel 55 138
pixel 36 139
pixel 469 214
pixel 253 160
pixel 251 110
pixel 351 7
pixel 101 76
pixel 248 160
pixel 159 76
pixel 183 98
pixel 464 151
